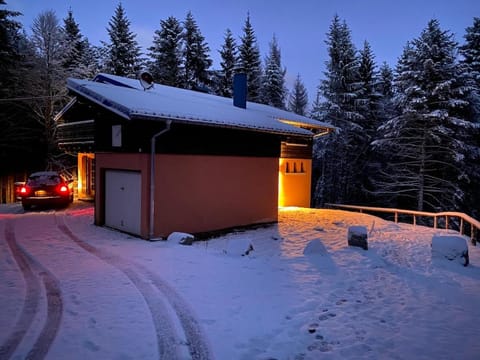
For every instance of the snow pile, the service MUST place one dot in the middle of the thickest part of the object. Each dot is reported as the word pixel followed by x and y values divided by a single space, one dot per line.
pixel 238 246
pixel 315 247
pixel 450 247
pixel 181 238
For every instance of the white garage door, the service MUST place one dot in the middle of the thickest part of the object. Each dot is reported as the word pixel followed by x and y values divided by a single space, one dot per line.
pixel 122 200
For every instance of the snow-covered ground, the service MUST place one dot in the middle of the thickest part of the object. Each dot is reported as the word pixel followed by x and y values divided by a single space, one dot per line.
pixel 302 293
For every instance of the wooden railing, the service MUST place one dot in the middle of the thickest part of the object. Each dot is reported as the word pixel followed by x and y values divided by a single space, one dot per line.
pixel 463 218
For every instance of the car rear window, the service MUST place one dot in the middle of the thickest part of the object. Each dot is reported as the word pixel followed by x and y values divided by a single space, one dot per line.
pixel 39 180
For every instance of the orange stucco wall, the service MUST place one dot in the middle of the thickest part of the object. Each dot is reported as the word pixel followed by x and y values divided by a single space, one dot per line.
pixel 204 193
pixel 294 182
pixel 198 193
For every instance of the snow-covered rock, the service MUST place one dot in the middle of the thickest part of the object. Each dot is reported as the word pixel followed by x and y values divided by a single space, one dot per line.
pixel 181 238
pixel 238 246
pixel 357 236
pixel 450 247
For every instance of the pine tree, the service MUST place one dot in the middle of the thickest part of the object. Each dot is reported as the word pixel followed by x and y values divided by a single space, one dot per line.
pixel 425 144
pixel 249 61
pixel 8 30
pixel 80 59
pixel 385 81
pixel 73 39
pixel 368 102
pixel 228 54
pixel 20 134
pixel 166 53
pixel 471 50
pixel 124 56
pixel 337 165
pixel 195 55
pixel 298 100
pixel 470 63
pixel 273 84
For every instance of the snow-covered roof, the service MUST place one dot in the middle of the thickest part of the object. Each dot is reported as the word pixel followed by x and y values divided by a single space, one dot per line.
pixel 127 98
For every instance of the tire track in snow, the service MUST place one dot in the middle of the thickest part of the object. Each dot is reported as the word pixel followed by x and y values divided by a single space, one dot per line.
pixel 29 268
pixel 162 318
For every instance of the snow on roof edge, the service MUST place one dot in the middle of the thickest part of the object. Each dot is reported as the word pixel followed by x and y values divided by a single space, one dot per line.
pixel 82 90
pixel 292 128
pixel 213 123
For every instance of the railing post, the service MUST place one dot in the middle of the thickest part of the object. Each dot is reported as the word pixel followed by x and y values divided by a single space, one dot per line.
pixel 461 226
pixel 434 222
pixel 446 222
pixel 414 221
pixel 396 217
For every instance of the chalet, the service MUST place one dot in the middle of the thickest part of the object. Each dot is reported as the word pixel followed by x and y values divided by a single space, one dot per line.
pixel 158 159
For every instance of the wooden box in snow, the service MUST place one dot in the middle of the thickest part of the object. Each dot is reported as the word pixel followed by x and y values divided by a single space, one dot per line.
pixel 357 236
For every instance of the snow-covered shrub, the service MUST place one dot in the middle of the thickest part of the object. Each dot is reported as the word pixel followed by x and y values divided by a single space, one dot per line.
pixel 238 246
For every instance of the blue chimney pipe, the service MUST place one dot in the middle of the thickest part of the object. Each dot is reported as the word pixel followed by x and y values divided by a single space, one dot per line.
pixel 240 90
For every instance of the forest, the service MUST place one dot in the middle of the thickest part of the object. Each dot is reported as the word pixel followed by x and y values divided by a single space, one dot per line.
pixel 406 137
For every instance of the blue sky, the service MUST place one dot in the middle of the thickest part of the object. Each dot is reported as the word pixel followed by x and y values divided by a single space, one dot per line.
pixel 299 26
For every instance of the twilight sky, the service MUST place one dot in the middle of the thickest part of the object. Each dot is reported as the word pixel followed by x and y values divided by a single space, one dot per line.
pixel 300 26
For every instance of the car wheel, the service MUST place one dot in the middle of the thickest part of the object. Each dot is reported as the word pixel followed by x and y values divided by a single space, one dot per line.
pixel 26 207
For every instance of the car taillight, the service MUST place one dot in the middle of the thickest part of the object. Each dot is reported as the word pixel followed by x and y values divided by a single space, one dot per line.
pixel 24 190
pixel 63 189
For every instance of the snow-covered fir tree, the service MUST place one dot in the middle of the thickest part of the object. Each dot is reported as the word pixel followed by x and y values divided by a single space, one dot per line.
pixel 195 56
pixel 228 63
pixel 470 62
pixel 368 102
pixel 273 84
pixel 124 56
pixel 424 147
pixel 249 61
pixel 298 99
pixel 74 44
pixel 337 166
pixel 80 59
pixel 21 140
pixel 166 53
pixel 9 30
pixel 385 81
pixel 470 50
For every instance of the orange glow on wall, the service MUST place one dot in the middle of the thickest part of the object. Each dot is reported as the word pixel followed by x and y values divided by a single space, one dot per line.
pixel 84 175
pixel 294 182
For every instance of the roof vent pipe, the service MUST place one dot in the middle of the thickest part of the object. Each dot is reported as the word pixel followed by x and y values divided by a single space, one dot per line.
pixel 240 90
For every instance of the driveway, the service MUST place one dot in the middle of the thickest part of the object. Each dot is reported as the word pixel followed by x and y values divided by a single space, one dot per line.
pixel 107 297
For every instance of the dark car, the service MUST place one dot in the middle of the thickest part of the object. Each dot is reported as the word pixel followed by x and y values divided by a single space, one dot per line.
pixel 46 188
